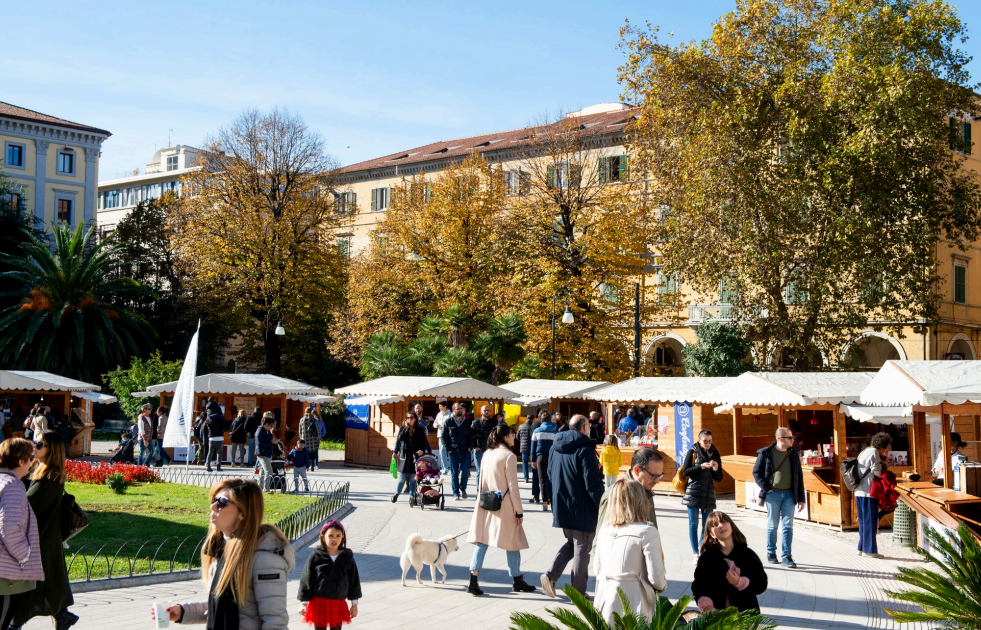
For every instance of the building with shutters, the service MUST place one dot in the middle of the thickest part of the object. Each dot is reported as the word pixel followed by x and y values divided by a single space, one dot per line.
pixel 118 197
pixel 54 163
pixel 367 186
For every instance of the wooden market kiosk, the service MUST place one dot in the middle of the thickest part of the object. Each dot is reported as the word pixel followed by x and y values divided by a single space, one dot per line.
pixel 809 403
pixel 370 443
pixel 284 397
pixel 663 394
pixel 951 390
pixel 21 390
pixel 566 397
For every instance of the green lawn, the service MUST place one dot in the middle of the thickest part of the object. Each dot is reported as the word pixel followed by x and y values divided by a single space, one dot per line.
pixel 331 445
pixel 151 511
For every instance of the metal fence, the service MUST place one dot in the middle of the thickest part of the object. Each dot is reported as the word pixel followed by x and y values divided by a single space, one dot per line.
pixel 283 483
pixel 175 555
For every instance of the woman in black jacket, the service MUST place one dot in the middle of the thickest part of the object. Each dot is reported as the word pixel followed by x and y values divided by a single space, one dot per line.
pixel 703 467
pixel 729 573
pixel 410 443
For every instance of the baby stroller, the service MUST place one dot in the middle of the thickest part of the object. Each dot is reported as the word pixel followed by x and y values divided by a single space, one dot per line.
pixel 429 483
pixel 278 480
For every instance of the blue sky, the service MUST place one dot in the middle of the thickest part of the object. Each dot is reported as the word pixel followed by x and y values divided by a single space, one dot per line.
pixel 373 78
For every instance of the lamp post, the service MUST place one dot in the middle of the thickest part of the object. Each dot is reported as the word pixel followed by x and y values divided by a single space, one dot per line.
pixel 567 318
pixel 279 331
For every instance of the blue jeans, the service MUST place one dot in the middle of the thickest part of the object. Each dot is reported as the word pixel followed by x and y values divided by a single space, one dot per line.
pixel 251 452
pixel 525 458
pixel 780 507
pixel 535 485
pixel 459 472
pixel 868 524
pixel 444 459
pixel 164 457
pixel 146 453
pixel 404 477
pixel 695 534
pixel 477 560
pixel 477 456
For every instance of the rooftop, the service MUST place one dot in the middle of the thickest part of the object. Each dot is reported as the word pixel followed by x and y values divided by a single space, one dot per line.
pixel 12 111
pixel 611 120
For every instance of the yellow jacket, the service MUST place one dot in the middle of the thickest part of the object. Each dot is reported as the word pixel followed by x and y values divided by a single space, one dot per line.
pixel 610 459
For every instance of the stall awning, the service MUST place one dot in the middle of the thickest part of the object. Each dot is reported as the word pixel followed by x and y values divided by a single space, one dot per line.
pixel 788 389
pixel 311 398
pixel 372 400
pixel 142 394
pixel 654 389
pixel 11 380
pixel 428 386
pixel 925 383
pixel 883 415
pixel 537 391
pixel 247 384
pixel 96 397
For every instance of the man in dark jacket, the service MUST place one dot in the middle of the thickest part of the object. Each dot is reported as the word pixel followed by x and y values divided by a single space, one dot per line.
pixel 597 428
pixel 577 488
pixel 542 438
pixel 779 475
pixel 239 439
pixel 482 427
pixel 264 441
pixel 458 437
pixel 216 436
pixel 524 444
pixel 251 426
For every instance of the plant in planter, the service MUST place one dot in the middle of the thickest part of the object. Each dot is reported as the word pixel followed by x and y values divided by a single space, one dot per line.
pixel 117 482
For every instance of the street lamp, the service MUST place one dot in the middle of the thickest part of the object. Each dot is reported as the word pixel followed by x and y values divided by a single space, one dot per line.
pixel 567 318
pixel 280 331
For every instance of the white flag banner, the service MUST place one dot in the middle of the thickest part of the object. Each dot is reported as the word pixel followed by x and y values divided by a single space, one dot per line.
pixel 181 415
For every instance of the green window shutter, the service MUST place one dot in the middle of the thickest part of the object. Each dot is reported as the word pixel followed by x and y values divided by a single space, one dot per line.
pixel 623 168
pixel 602 171
pixel 374 199
pixel 550 176
pixel 960 284
pixel 354 201
pixel 967 138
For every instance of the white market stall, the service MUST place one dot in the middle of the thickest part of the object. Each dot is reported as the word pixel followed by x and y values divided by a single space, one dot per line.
pixel 566 397
pixel 369 441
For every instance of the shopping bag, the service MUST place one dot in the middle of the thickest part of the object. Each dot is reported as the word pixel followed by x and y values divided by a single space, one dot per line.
pixel 394 469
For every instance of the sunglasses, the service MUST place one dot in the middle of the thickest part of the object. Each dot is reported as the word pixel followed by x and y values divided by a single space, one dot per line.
pixel 221 502
pixel 653 476
pixel 40 445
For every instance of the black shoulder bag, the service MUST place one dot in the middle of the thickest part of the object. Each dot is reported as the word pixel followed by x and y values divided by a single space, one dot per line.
pixel 491 500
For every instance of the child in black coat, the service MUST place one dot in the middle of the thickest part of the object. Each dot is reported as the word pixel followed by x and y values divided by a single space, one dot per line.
pixel 728 572
pixel 329 577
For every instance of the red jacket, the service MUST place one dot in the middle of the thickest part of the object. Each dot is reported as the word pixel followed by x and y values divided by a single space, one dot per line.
pixel 884 489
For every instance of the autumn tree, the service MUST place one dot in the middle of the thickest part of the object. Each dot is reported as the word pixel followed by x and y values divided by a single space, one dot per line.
pixel 801 161
pixel 584 229
pixel 256 228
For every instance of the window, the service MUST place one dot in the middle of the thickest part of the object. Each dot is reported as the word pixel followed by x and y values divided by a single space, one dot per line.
pixel 609 293
pixel 379 199
pixel 727 291
pixel 516 182
pixel 346 202
pixel 960 284
pixel 110 199
pixel 960 136
pixel 344 246
pixel 12 201
pixel 15 155
pixel 171 162
pixel 796 293
pixel 65 210
pixel 612 169
pixel 666 283
pixel 66 162
pixel 558 176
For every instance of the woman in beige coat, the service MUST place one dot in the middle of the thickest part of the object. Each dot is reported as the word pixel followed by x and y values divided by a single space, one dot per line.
pixel 502 528
pixel 629 554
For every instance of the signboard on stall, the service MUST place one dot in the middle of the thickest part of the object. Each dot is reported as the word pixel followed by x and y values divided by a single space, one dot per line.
pixel 356 416
pixel 683 438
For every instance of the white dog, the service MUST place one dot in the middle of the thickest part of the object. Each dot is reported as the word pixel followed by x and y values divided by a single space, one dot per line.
pixel 432 552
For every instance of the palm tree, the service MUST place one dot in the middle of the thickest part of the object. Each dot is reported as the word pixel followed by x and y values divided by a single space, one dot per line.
pixel 65 315
pixel 501 344
pixel 459 362
pixel 950 596
pixel 424 352
pixel 665 617
pixel 454 324
pixel 384 355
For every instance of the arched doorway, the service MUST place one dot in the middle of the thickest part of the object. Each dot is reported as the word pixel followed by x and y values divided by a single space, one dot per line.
pixel 663 356
pixel 961 347
pixel 870 351
pixel 782 360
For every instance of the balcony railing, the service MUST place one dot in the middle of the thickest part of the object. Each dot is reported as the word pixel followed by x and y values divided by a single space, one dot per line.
pixel 701 313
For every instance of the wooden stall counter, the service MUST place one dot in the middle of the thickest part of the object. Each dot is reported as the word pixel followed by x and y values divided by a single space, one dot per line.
pixel 943 505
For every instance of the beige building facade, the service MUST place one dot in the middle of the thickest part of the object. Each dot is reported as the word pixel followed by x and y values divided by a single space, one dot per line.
pixel 367 185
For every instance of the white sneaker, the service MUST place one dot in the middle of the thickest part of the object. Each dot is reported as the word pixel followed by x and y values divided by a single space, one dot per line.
pixel 694 559
pixel 548 586
pixel 860 554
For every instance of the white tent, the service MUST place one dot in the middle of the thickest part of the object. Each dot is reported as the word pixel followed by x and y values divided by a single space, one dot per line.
pixel 428 386
pixel 883 415
pixel 652 389
pixel 96 397
pixel 245 384
pixel 788 389
pixel 925 383
pixel 44 381
pixel 533 392
pixel 372 400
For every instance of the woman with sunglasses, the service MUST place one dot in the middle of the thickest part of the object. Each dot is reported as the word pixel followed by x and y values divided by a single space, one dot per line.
pixel 53 596
pixel 20 551
pixel 703 468
pixel 410 443
pixel 245 565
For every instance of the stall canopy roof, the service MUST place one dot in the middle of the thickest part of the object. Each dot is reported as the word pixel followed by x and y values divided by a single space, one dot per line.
pixel 436 386
pixel 18 380
pixel 926 383
pixel 372 400
pixel 96 397
pixel 540 391
pixel 657 389
pixel 788 389
pixel 249 384
pixel 883 415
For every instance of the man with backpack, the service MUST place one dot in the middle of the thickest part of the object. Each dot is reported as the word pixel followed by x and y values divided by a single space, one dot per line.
pixel 779 475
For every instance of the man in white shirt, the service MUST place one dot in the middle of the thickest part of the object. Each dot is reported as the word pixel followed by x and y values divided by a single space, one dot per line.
pixel 144 433
pixel 441 417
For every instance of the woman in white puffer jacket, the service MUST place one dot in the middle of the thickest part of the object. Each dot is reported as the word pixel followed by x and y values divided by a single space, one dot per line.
pixel 246 565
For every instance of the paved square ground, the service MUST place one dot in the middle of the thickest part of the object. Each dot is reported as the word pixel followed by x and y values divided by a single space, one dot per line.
pixel 832 588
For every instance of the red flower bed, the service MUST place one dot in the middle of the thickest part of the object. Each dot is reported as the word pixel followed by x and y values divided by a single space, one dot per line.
pixel 83 472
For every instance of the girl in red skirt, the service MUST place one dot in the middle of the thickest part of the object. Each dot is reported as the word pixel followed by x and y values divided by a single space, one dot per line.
pixel 330 577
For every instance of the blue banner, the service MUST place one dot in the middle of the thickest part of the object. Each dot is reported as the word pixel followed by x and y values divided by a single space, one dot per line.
pixel 683 438
pixel 356 416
